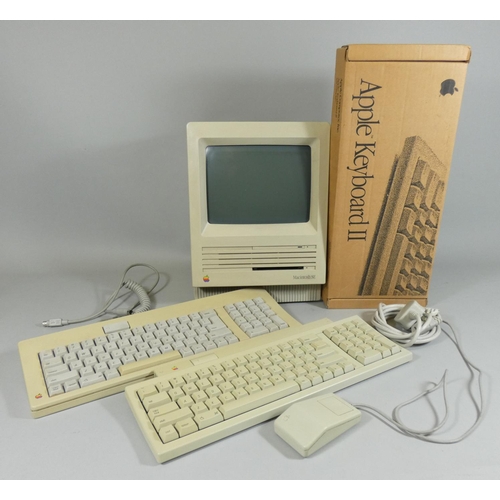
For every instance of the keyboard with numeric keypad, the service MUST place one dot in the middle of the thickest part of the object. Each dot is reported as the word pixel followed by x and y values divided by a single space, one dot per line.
pixel 71 367
pixel 206 398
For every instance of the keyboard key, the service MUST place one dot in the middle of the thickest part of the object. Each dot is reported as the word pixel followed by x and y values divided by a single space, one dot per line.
pixel 61 378
pixel 49 372
pixel 168 433
pixel 115 327
pixel 208 418
pixel 369 357
pixel 59 351
pixel 111 373
pixel 154 400
pixel 51 362
pixel 91 379
pixel 54 390
pixel 173 417
pixel 261 398
pixel 72 385
pixel 185 427
pixel 256 331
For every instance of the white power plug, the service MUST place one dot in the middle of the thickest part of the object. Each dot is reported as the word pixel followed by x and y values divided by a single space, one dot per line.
pixel 408 316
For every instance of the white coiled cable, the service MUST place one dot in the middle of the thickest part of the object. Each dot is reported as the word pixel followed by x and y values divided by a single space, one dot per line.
pixel 144 300
pixel 144 303
pixel 422 324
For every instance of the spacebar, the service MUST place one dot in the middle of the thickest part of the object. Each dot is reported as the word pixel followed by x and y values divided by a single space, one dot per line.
pixel 257 399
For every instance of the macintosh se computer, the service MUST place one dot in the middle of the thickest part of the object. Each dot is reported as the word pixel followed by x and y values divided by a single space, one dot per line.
pixel 258 202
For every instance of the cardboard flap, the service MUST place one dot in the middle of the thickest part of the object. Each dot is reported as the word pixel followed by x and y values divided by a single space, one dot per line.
pixel 414 53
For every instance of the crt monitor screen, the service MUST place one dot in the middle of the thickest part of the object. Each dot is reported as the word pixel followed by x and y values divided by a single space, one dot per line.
pixel 258 184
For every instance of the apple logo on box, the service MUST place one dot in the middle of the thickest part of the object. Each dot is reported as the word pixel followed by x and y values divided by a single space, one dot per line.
pixel 448 87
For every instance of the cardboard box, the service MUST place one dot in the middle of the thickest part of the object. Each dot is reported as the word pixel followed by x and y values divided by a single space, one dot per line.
pixel 394 119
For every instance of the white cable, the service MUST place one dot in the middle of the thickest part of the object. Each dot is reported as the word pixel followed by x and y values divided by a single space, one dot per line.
pixel 144 303
pixel 425 325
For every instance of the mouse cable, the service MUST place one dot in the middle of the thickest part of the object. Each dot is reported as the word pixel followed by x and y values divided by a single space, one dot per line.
pixel 420 325
pixel 143 304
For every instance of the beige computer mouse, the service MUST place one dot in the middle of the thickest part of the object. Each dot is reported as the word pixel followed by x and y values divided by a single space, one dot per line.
pixel 310 424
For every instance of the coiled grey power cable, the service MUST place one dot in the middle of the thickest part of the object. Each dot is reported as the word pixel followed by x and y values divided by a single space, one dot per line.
pixel 421 325
pixel 144 303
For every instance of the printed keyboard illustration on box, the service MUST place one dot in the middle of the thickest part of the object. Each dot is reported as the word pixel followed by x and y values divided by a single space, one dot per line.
pixel 402 251
pixel 200 400
pixel 71 367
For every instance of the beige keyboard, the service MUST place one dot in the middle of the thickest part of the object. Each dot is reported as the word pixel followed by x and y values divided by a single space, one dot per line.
pixel 71 367
pixel 197 401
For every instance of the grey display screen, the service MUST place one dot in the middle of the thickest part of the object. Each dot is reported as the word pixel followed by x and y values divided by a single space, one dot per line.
pixel 258 184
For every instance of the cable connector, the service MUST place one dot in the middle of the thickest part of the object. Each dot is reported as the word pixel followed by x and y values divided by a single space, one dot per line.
pixel 55 322
pixel 408 316
pixel 414 324
pixel 143 305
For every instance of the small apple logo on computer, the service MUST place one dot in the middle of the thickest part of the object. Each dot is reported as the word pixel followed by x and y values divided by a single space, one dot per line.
pixel 448 87
pixel 206 279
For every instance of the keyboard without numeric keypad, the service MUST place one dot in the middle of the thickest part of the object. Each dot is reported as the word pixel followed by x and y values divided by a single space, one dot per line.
pixel 75 366
pixel 196 402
